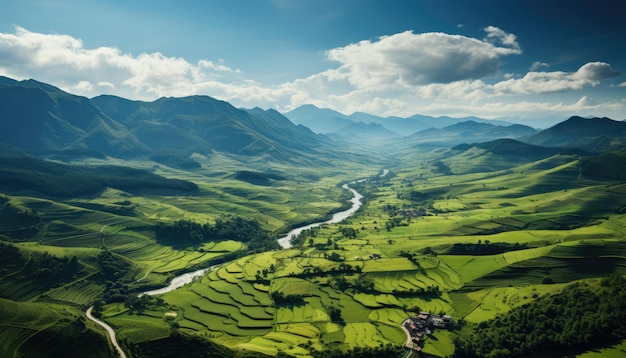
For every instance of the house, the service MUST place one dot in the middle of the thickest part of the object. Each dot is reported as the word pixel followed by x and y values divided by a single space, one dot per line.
pixel 422 325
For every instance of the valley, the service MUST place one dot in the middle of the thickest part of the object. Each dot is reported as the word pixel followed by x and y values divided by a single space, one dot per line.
pixel 483 224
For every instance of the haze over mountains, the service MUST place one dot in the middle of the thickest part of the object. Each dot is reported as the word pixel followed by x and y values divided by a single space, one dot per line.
pixel 323 120
pixel 41 119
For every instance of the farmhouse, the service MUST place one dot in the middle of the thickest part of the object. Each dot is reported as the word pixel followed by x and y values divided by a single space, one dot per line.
pixel 419 327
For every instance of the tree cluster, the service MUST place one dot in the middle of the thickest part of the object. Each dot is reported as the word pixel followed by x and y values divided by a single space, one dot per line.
pixel 581 317
pixel 116 292
pixel 290 299
pixel 112 267
pixel 139 303
pixel 10 256
pixel 393 222
pixel 348 232
pixel 305 234
pixel 333 257
pixel 228 228
pixel 361 285
pixel 335 314
pixel 52 269
pixel 485 248
pixel 48 269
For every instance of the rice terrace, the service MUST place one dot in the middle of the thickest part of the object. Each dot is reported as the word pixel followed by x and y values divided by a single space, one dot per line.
pixel 155 202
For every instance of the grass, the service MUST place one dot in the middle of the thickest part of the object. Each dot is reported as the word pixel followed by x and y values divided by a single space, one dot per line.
pixel 569 223
pixel 140 327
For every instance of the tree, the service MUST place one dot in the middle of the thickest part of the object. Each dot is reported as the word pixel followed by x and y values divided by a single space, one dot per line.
pixel 335 314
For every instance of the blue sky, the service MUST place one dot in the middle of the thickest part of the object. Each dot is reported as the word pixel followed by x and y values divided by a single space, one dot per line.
pixel 528 60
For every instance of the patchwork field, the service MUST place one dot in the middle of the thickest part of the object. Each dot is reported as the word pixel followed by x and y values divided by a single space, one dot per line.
pixel 473 245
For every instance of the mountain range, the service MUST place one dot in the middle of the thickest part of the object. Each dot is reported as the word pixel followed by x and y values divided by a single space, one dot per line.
pixel 326 121
pixel 40 119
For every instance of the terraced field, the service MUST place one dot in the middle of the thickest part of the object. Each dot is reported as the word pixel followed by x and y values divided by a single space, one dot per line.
pixel 350 284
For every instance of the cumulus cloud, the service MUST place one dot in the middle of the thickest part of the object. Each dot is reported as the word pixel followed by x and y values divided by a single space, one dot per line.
pixel 64 60
pixel 596 71
pixel 590 74
pixel 409 59
pixel 401 74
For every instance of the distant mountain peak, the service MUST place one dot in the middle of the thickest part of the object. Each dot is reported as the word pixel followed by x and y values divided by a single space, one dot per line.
pixel 40 118
pixel 585 133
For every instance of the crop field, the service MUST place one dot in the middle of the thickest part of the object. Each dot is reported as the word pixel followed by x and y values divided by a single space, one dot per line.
pixel 137 328
pixel 349 285
pixel 21 322
pixel 79 292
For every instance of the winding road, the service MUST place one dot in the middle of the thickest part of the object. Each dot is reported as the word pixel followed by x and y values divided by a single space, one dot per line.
pixel 109 330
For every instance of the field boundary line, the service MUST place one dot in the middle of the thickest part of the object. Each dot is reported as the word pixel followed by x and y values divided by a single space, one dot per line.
pixel 479 303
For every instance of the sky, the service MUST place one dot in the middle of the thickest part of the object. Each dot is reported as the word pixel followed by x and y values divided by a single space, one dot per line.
pixel 529 61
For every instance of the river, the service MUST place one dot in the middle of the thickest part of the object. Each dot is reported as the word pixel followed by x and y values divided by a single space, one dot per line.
pixel 285 241
pixel 179 281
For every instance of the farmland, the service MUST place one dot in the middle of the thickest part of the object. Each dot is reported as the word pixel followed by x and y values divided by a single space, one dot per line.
pixel 475 245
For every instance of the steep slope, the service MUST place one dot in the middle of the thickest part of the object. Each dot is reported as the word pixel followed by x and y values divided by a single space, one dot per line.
pixel 592 134
pixel 41 118
pixel 610 165
pixel 203 124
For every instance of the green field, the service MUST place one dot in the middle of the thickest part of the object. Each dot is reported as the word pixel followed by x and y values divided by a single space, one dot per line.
pixel 348 285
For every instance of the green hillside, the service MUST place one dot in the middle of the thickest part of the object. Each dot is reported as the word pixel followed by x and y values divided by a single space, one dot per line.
pixel 476 246
pixel 499 248
pixel 591 134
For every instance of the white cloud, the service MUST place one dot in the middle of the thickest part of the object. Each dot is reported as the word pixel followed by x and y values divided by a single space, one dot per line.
pixel 496 34
pixel 83 86
pixel 64 61
pixel 407 59
pixel 590 74
pixel 401 74
pixel 596 71
pixel 585 101
pixel 538 65
pixel 104 84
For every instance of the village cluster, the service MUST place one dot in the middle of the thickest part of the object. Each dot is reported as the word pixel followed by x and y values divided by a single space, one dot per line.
pixel 421 326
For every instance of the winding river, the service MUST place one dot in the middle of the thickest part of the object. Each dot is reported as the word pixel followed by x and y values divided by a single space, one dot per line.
pixel 284 242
